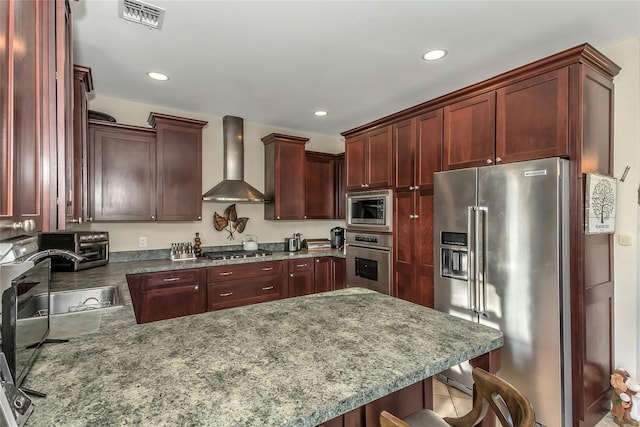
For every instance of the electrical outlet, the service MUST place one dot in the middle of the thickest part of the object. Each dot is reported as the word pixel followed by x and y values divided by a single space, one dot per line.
pixel 142 242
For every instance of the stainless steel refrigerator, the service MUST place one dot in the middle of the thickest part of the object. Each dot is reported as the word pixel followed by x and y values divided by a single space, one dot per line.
pixel 502 259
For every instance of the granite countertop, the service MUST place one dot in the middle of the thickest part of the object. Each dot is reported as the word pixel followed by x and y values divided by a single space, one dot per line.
pixel 293 362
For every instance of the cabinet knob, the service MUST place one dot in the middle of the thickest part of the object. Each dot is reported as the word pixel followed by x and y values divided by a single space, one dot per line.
pixel 75 221
pixel 416 216
pixel 153 217
pixel 317 260
pixel 498 159
pixel 411 188
pixel 196 287
pixel 277 217
pixel 416 188
pixel 362 186
pixel 366 186
pixel 291 274
pixel 489 161
pixel 305 217
pixel 26 225
pixel 199 217
pixel 90 219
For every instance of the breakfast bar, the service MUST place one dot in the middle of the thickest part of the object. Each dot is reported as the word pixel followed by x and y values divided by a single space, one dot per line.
pixel 298 362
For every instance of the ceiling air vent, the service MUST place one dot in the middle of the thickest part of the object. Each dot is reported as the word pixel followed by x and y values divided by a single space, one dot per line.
pixel 142 13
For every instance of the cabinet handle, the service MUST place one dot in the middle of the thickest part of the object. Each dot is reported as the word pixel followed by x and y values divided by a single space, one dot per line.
pixel 171 279
pixel 498 159
pixel 75 221
pixel 267 268
pixel 301 265
pixel 267 288
pixel 226 294
pixel 226 273
pixel 489 161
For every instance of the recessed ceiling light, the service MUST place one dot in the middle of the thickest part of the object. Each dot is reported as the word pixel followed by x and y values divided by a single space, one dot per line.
pixel 320 113
pixel 434 54
pixel 157 76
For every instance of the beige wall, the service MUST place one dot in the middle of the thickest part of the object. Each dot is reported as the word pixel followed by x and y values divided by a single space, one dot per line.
pixel 124 236
pixel 627 153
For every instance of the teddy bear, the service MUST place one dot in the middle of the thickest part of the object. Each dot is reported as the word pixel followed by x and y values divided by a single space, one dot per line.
pixel 621 398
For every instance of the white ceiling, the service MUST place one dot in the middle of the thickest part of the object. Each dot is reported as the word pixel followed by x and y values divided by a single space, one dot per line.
pixel 275 63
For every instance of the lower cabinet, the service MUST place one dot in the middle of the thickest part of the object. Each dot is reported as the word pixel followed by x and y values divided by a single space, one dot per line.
pixel 167 294
pixel 242 284
pixel 301 277
pixel 329 274
pixel 176 293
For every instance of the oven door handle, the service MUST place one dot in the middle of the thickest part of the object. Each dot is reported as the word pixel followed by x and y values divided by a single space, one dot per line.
pixel 91 244
pixel 373 248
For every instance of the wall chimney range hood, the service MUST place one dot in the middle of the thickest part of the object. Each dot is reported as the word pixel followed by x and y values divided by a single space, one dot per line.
pixel 233 188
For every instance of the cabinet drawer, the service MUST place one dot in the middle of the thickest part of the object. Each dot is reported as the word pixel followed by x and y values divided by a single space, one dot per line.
pixel 302 264
pixel 234 293
pixel 240 271
pixel 169 279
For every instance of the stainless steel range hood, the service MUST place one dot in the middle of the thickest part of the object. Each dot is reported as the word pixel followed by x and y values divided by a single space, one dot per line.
pixel 233 188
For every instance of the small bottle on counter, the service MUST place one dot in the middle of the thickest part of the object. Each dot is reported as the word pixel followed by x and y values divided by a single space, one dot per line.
pixel 196 245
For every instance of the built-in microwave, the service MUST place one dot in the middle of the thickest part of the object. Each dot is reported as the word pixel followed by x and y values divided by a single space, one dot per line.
pixel 370 210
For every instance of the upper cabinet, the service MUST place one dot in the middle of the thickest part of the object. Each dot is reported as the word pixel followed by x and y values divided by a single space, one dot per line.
pixel 284 172
pixel 324 185
pixel 31 118
pixel 143 174
pixel 369 160
pixel 179 167
pixel 524 120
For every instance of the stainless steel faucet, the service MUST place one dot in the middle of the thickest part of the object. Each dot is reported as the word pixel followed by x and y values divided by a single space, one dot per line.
pixel 54 252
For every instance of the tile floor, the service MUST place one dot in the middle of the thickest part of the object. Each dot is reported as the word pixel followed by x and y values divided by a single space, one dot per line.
pixel 451 402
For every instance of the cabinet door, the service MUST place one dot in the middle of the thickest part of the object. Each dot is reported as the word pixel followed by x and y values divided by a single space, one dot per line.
pixel 322 274
pixel 179 173
pixel 341 187
pixel 404 151
pixel 469 132
pixel 404 256
pixel 379 159
pixel 83 84
pixel 167 303
pixel 123 174
pixel 354 162
pixel 339 273
pixel 428 148
pixel 532 118
pixel 320 186
pixel 6 118
pixel 424 245
pixel 301 283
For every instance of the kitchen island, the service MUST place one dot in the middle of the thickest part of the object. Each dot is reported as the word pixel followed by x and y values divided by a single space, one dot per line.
pixel 293 362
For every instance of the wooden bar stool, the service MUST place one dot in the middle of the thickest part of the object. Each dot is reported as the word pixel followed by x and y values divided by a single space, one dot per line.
pixel 511 407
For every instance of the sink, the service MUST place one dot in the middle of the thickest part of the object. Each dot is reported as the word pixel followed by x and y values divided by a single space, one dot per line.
pixel 62 302
pixel 73 313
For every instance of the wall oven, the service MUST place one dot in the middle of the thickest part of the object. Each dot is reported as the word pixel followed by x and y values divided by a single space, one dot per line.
pixel 93 246
pixel 370 210
pixel 369 261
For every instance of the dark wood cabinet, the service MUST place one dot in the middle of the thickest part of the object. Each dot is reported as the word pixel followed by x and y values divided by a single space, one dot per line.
pixel 242 284
pixel 122 175
pixel 469 132
pixel 284 172
pixel 320 185
pixel 144 174
pixel 32 116
pixel 369 160
pixel 77 174
pixel 339 273
pixel 532 118
pixel 178 167
pixel 323 274
pixel 341 187
pixel 165 295
pixel 561 105
pixel 301 277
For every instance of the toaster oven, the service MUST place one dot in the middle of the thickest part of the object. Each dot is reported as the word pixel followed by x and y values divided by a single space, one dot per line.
pixel 93 246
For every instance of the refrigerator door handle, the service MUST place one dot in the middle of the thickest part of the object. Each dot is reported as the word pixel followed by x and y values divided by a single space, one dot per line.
pixel 471 261
pixel 482 228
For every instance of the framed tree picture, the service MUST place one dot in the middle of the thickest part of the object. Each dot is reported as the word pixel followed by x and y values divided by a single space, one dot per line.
pixel 600 204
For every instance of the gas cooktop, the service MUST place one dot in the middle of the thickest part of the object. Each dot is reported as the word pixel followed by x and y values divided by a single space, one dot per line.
pixel 236 254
